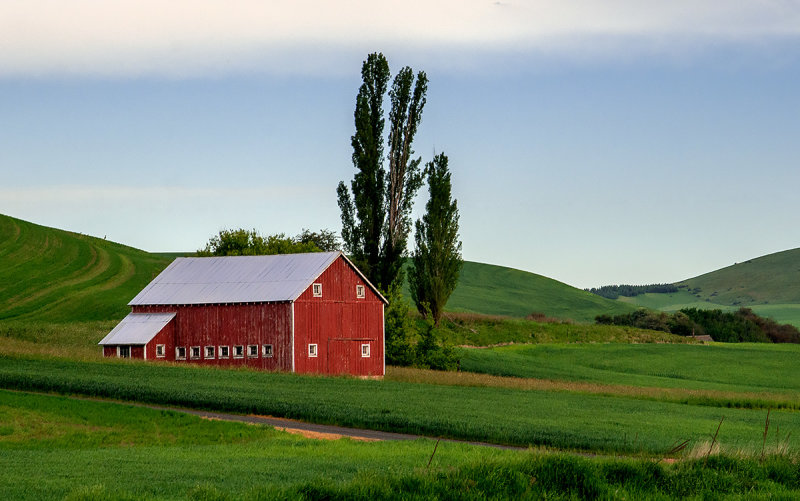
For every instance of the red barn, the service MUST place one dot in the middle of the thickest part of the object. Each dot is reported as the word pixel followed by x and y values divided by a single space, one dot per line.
pixel 305 313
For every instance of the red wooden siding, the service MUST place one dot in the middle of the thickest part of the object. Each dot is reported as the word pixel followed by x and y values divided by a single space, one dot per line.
pixel 339 323
pixel 228 325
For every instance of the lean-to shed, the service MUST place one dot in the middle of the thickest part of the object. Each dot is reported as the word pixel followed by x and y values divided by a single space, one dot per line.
pixel 306 313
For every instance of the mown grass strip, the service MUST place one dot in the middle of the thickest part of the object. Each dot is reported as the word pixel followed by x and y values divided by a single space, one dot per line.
pixel 499 415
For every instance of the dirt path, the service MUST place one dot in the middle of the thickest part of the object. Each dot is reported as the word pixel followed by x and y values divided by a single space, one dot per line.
pixel 310 430
pixel 313 430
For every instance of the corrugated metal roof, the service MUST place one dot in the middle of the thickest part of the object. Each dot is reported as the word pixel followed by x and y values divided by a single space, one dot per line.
pixel 137 328
pixel 235 279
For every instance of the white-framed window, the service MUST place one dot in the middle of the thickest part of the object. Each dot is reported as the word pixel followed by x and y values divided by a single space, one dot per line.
pixel 312 350
pixel 209 353
pixel 224 351
pixel 252 350
pixel 124 351
pixel 161 351
pixel 360 291
pixel 180 353
pixel 316 289
pixel 238 351
pixel 365 350
pixel 266 350
pixel 194 352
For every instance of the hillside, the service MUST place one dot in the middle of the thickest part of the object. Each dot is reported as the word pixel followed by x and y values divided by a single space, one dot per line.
pixel 52 275
pixel 770 285
pixel 770 279
pixel 57 276
pixel 497 290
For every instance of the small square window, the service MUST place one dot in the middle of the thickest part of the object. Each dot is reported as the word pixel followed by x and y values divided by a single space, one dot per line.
pixel 224 351
pixel 252 350
pixel 161 351
pixel 238 351
pixel 266 350
pixel 209 353
pixel 359 291
pixel 312 350
pixel 124 351
pixel 194 352
pixel 317 290
pixel 180 353
pixel 365 350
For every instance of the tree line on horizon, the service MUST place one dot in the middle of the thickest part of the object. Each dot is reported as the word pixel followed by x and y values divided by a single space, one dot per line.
pixel 615 291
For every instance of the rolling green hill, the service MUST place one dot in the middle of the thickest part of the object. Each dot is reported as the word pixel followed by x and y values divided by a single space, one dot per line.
pixel 51 275
pixel 497 290
pixel 770 285
pixel 770 279
pixel 56 276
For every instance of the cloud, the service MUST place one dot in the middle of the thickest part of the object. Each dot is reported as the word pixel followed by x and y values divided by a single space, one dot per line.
pixel 198 37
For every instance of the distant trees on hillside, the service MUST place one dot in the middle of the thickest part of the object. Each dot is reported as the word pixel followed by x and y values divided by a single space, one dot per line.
pixel 740 326
pixel 615 291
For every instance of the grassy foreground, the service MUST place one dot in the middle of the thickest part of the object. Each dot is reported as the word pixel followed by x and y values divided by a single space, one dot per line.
pixel 100 450
pixel 564 420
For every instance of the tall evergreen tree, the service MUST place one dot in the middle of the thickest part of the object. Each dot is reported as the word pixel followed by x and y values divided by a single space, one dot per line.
pixel 437 259
pixel 363 215
pixel 376 218
pixel 405 177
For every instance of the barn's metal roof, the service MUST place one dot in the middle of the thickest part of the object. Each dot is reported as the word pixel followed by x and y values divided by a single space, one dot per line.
pixel 235 279
pixel 137 328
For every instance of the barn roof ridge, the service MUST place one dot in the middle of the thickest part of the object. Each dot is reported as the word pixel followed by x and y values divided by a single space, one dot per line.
pixel 239 279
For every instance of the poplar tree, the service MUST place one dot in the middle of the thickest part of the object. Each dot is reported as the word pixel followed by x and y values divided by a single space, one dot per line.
pixel 405 177
pixel 363 215
pixel 436 261
pixel 376 218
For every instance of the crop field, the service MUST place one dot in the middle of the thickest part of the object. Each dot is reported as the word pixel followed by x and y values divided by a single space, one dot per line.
pixel 572 420
pixel 85 447
pixel 741 367
pixel 101 450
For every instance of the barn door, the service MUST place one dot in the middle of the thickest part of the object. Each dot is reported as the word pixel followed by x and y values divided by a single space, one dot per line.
pixel 343 356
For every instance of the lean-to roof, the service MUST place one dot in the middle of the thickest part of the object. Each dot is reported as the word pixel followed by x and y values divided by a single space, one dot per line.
pixel 137 328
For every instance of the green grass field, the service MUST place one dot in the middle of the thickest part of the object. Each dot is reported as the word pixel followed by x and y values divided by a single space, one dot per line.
pixel 740 367
pixel 100 450
pixel 561 419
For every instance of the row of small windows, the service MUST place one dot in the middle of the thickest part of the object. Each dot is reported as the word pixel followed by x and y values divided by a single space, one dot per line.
pixel 316 290
pixel 220 352
pixel 223 352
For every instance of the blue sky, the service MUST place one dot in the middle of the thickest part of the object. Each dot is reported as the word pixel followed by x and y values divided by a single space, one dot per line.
pixel 592 142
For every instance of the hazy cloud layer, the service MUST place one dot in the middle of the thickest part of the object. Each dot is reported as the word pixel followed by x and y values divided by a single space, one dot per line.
pixel 198 37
